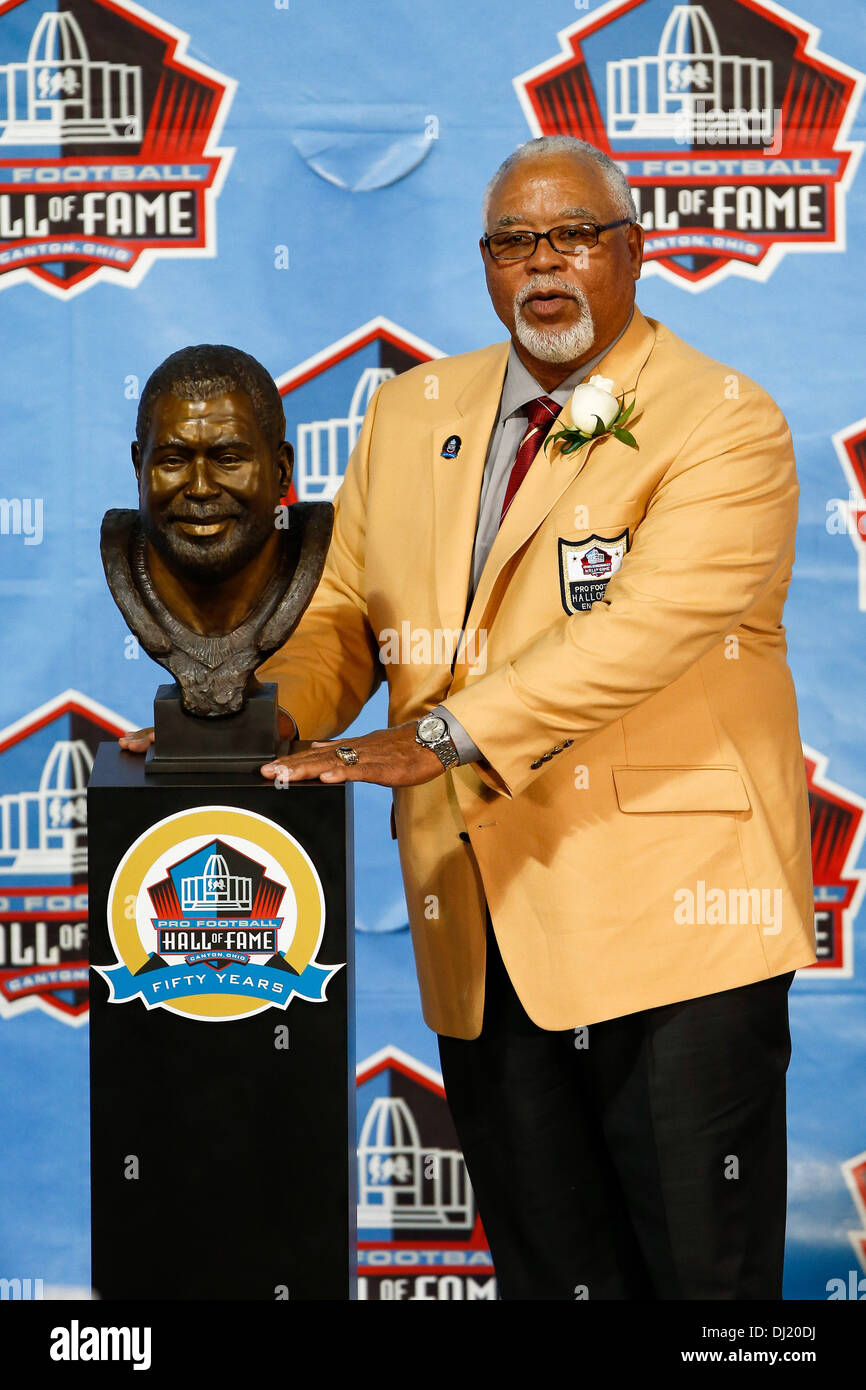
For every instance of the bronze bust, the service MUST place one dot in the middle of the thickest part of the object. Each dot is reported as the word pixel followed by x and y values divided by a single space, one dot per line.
pixel 213 572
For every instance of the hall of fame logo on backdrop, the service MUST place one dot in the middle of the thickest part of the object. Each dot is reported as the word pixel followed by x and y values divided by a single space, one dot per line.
pixel 108 144
pixel 45 762
pixel 326 396
pixel 420 1237
pixel 728 121
pixel 216 913
pixel 854 1173
pixel 850 445
pixel 838 828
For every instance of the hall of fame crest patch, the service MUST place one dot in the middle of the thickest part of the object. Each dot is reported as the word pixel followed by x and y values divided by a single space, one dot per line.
pixel 586 567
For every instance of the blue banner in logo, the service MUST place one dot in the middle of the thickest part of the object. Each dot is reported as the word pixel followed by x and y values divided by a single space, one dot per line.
pixel 260 982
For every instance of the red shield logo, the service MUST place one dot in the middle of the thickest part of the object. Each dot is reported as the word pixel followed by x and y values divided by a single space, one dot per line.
pixel 45 762
pixel 854 1172
pixel 850 515
pixel 326 396
pixel 837 836
pixel 419 1233
pixel 729 123
pixel 108 144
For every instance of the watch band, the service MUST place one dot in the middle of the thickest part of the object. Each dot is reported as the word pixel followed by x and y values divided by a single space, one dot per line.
pixel 445 751
pixel 443 747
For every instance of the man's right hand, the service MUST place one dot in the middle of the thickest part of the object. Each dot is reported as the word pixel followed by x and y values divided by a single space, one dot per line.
pixel 141 739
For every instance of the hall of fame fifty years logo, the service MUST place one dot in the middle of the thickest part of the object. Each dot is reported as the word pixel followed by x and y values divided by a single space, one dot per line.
pixel 216 913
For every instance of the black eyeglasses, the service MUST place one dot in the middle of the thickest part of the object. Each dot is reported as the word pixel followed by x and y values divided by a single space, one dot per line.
pixel 569 240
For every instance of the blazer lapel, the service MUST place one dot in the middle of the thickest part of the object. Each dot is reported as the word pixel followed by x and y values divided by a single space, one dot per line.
pixel 457 483
pixel 553 471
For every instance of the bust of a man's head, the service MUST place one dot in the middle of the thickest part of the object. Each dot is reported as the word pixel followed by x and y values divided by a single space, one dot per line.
pixel 213 571
pixel 212 464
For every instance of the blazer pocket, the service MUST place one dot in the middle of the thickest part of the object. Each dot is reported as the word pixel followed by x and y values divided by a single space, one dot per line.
pixel 642 789
pixel 612 520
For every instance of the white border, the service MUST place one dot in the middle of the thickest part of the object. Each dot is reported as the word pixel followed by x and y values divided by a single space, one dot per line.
pixel 224 156
pixel 763 271
pixel 390 1053
pixel 45 711
pixel 321 361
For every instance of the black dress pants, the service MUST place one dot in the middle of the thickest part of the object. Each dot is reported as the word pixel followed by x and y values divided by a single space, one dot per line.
pixel 644 1157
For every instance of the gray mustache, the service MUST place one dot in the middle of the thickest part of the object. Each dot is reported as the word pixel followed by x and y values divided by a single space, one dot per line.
pixel 546 284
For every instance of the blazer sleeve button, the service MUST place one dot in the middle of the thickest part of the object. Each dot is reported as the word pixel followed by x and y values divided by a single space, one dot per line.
pixel 535 765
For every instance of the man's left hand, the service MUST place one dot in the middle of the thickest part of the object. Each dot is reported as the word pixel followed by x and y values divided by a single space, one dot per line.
pixel 390 757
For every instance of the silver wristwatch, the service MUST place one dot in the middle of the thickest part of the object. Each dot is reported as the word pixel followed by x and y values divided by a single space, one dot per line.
pixel 432 732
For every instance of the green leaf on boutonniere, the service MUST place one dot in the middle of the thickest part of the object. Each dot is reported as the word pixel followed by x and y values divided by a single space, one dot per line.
pixel 572 439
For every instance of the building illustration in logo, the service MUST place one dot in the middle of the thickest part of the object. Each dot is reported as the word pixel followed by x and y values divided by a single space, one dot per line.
pixel 228 917
pixel 730 124
pixel 650 97
pixel 596 562
pixel 420 1235
pixel 45 762
pixel 216 889
pixel 404 1184
pixel 218 905
pixel 838 829
pixel 59 94
pixel 324 446
pixel 109 154
pixel 351 369
pixel 45 831
pixel 850 445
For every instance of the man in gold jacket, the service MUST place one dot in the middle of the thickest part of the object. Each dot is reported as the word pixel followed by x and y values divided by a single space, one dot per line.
pixel 605 841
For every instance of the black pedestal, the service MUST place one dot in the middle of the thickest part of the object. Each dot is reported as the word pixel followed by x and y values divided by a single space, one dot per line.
pixel 239 742
pixel 222 1123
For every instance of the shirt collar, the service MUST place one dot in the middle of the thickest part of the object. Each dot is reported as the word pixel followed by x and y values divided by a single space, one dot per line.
pixel 520 386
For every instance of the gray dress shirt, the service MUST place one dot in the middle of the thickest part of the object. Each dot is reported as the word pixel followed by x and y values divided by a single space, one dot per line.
pixel 518 390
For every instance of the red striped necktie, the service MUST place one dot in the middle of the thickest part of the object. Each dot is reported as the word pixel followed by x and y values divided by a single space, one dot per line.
pixel 541 414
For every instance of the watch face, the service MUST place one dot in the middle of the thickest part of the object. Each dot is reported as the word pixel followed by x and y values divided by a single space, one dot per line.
pixel 431 728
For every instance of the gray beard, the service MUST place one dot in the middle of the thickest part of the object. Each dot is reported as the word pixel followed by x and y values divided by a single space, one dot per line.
pixel 556 345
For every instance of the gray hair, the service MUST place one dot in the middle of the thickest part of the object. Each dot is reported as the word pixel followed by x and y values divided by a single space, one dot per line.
pixel 567 144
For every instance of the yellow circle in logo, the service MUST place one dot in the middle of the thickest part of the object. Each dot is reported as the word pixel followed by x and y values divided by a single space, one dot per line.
pixel 250 834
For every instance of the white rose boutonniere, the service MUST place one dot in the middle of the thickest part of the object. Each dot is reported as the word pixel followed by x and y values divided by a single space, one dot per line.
pixel 596 411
